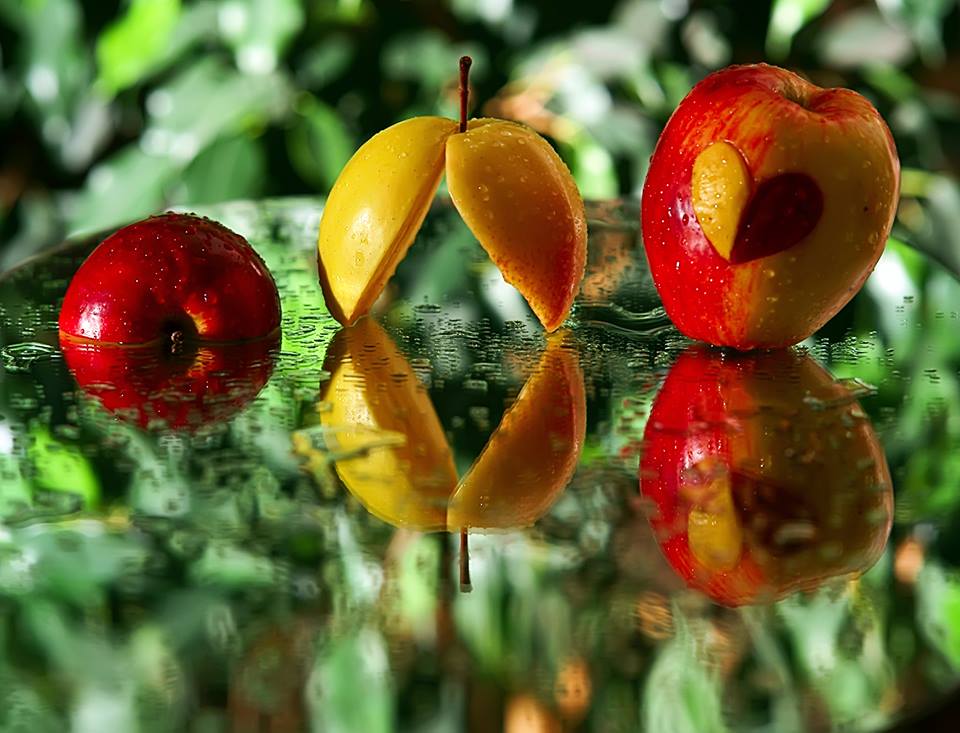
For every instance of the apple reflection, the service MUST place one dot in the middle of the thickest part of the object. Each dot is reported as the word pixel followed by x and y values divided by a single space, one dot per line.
pixel 765 476
pixel 201 384
pixel 390 450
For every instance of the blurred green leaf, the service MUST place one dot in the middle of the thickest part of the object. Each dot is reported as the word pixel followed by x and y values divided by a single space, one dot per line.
pixel 863 37
pixel 925 20
pixel 938 610
pixel 356 662
pixel 786 19
pixel 131 180
pixel 592 167
pixel 209 100
pixel 325 62
pixel 58 466
pixel 231 168
pixel 680 695
pixel 318 143
pixel 259 31
pixel 131 46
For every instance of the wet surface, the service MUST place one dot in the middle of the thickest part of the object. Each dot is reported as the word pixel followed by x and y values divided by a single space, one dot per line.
pixel 654 536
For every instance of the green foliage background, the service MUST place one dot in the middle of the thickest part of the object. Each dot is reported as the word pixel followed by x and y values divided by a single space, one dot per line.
pixel 112 110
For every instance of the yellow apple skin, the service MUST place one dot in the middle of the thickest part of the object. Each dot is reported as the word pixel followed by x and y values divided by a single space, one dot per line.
pixel 394 455
pixel 530 458
pixel 375 209
pixel 521 203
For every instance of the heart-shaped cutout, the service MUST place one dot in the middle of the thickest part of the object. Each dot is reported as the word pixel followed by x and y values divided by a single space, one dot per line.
pixel 783 211
pixel 744 222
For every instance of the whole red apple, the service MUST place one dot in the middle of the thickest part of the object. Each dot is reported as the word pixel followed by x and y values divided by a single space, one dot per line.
pixel 767 204
pixel 764 475
pixel 171 274
pixel 150 386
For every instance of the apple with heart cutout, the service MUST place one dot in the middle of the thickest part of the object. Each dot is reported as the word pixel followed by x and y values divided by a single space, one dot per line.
pixel 767 204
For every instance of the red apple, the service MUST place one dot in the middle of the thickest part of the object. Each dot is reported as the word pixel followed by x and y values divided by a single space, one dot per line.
pixel 148 385
pixel 764 475
pixel 767 204
pixel 174 273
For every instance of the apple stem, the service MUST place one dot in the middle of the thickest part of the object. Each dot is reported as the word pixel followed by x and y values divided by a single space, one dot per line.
pixel 465 62
pixel 465 585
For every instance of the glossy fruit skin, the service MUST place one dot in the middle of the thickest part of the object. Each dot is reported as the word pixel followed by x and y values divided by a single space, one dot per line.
pixel 532 455
pixel 390 450
pixel 166 273
pixel 831 140
pixel 522 205
pixel 511 188
pixel 394 454
pixel 809 492
pixel 375 209
pixel 148 386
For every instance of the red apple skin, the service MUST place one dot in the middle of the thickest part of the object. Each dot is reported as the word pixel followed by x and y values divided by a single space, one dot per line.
pixel 836 141
pixel 809 483
pixel 167 273
pixel 151 387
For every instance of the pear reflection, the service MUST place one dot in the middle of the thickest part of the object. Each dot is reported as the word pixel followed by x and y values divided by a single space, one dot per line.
pixel 201 385
pixel 391 453
pixel 766 476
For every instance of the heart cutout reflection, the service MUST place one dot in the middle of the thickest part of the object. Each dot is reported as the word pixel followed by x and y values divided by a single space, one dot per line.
pixel 765 475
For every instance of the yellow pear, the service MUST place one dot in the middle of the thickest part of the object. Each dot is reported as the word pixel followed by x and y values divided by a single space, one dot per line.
pixel 511 188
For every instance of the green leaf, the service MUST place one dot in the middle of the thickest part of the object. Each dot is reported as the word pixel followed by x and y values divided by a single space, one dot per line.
pixel 61 467
pixel 126 187
pixel 259 31
pixel 207 101
pixel 592 167
pixel 861 37
pixel 334 696
pixel 231 168
pixel 325 62
pixel 786 20
pixel 131 47
pixel 318 144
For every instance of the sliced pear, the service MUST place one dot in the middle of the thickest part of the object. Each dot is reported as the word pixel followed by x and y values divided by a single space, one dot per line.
pixel 522 205
pixel 533 453
pixel 374 212
pixel 394 454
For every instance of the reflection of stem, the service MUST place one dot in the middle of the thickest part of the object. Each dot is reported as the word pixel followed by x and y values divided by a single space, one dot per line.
pixel 465 585
pixel 176 342
pixel 465 62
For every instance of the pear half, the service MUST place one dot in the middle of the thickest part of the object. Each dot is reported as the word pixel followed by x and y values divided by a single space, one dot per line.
pixel 511 188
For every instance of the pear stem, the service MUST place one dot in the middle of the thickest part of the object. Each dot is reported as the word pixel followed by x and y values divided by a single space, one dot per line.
pixel 465 63
pixel 465 585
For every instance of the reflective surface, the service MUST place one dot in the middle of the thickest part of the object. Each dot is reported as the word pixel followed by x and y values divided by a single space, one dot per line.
pixel 654 535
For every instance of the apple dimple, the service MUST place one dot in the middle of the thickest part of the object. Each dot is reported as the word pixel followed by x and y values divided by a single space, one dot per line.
pixel 783 210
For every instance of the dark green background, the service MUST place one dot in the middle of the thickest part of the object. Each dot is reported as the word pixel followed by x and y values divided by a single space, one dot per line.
pixel 113 110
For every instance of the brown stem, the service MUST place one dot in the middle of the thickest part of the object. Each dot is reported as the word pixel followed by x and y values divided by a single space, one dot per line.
pixel 176 341
pixel 465 62
pixel 465 585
